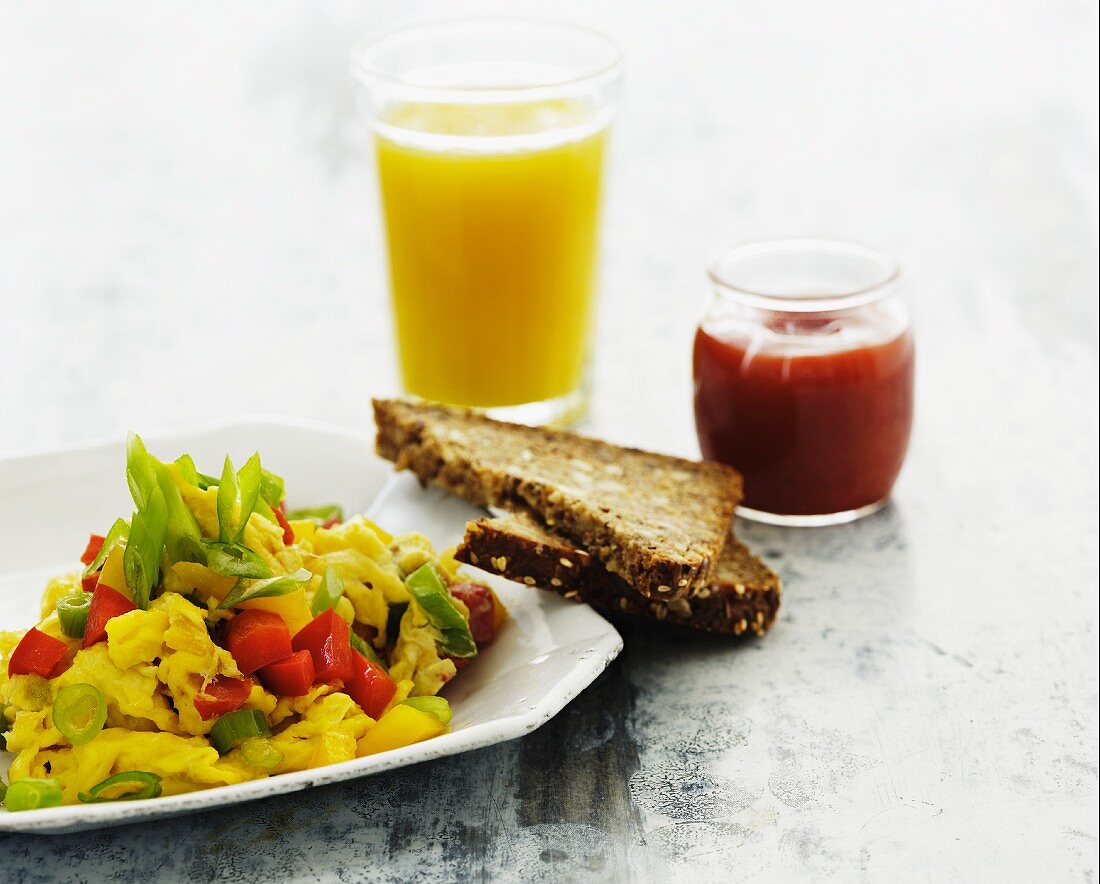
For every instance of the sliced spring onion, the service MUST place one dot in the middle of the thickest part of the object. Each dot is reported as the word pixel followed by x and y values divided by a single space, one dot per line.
pixel 259 752
pixel 429 592
pixel 436 706
pixel 185 464
pixel 120 530
pixel 272 488
pixel 79 712
pixel 141 560
pixel 231 729
pixel 322 513
pixel 237 496
pixel 130 785
pixel 32 793
pixel 360 644
pixel 393 621
pixel 72 613
pixel 183 539
pixel 262 589
pixel 141 475
pixel 3 791
pixel 328 593
pixel 234 560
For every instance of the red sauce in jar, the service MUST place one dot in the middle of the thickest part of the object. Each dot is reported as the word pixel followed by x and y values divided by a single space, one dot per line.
pixel 813 429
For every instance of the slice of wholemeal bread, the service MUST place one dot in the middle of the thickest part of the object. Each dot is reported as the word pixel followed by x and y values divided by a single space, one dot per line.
pixel 657 521
pixel 742 596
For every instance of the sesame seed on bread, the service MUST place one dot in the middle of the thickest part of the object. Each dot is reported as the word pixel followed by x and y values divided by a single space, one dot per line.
pixel 741 598
pixel 659 522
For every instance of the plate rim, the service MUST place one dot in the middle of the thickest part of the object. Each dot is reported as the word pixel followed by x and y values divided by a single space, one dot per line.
pixel 606 644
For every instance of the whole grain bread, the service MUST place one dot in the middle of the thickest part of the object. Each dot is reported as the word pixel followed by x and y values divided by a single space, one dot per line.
pixel 741 598
pixel 659 522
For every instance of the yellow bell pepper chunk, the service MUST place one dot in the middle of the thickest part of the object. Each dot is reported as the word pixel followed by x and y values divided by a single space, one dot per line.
pixel 304 530
pixel 292 607
pixel 113 574
pixel 401 726
pixel 201 578
pixel 332 748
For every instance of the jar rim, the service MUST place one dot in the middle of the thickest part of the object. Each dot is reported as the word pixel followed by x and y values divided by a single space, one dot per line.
pixel 881 270
pixel 368 67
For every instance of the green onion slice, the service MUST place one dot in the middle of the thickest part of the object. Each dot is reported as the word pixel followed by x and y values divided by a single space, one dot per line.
pixel 3 791
pixel 329 592
pixel 318 513
pixel 360 644
pixel 32 793
pixel 429 592
pixel 272 488
pixel 259 752
pixel 120 530
pixel 72 613
pixel 393 621
pixel 186 465
pixel 130 785
pixel 231 729
pixel 436 706
pixel 141 474
pixel 234 560
pixel 237 496
pixel 262 589
pixel 141 561
pixel 79 712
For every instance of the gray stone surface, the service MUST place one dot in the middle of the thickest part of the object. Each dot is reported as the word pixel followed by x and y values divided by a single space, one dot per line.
pixel 188 231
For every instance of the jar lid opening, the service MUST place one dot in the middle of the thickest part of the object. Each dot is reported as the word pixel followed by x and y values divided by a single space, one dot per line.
pixel 803 275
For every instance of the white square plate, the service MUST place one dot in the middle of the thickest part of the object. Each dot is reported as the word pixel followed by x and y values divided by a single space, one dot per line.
pixel 547 653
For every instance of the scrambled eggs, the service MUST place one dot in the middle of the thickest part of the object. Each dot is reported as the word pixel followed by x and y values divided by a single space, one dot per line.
pixel 215 638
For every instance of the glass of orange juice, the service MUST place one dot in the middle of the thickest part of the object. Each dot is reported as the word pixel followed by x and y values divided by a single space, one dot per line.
pixel 490 138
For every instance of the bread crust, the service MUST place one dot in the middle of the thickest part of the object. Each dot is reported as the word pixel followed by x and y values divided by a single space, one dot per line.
pixel 742 599
pixel 659 522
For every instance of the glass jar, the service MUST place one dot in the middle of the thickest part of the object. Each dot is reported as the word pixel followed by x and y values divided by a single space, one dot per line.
pixel 803 371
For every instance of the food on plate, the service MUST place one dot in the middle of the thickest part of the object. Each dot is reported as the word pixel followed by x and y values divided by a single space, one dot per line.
pixel 657 521
pixel 742 598
pixel 216 637
pixel 553 483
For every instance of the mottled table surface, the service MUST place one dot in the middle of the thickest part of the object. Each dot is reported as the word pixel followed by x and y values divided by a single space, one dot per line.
pixel 189 231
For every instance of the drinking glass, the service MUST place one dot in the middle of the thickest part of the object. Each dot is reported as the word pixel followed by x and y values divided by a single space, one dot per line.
pixel 490 138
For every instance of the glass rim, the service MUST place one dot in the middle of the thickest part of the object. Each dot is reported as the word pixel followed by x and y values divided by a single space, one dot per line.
pixel 372 73
pixel 725 259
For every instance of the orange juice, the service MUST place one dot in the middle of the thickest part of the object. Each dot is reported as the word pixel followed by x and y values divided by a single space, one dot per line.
pixel 491 216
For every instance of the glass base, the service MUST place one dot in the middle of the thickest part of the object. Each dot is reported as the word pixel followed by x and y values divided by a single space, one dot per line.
pixel 562 411
pixel 811 521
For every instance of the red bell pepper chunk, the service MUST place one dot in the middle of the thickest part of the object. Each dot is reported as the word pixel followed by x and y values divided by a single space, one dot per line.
pixel 326 637
pixel 95 544
pixel 256 638
pixel 291 676
pixel 37 654
pixel 221 696
pixel 89 581
pixel 288 532
pixel 370 685
pixel 479 600
pixel 331 522
pixel 106 603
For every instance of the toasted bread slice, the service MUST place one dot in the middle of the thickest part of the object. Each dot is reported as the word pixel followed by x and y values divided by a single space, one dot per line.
pixel 743 596
pixel 657 521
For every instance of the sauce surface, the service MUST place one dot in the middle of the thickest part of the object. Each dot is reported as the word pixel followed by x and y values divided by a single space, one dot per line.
pixel 814 428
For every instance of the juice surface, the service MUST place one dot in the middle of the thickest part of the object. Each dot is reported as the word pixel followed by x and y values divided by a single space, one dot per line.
pixel 492 248
pixel 812 432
